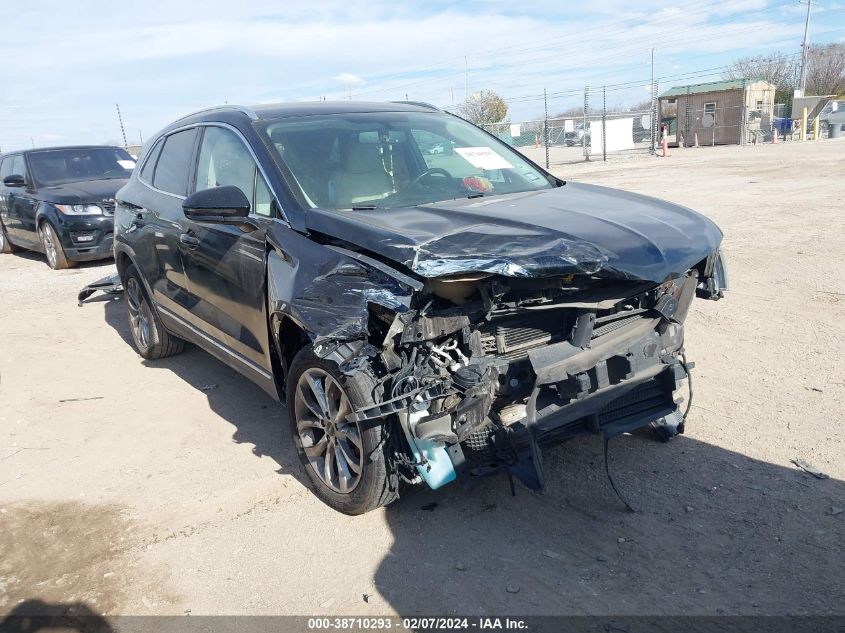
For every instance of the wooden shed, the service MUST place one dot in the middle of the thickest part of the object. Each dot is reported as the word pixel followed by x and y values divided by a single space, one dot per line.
pixel 720 112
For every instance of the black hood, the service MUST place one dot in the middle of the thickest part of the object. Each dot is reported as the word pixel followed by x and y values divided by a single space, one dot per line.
pixel 82 192
pixel 576 228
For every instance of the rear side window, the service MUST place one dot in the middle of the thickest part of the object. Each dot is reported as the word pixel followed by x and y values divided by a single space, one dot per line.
pixel 149 166
pixel 174 164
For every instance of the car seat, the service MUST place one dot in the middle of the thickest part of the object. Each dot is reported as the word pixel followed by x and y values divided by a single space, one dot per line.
pixel 362 176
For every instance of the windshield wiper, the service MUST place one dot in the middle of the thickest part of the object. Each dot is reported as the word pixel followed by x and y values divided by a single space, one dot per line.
pixel 365 207
pixel 475 195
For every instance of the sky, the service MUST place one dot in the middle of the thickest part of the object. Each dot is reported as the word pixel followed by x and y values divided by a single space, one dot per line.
pixel 66 64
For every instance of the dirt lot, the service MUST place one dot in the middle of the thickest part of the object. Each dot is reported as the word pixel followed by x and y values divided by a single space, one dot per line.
pixel 141 487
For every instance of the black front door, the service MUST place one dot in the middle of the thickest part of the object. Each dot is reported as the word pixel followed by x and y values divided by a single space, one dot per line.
pixel 22 206
pixel 225 264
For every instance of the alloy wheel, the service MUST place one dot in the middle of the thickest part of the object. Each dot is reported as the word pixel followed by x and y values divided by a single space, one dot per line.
pixel 140 318
pixel 332 445
pixel 49 245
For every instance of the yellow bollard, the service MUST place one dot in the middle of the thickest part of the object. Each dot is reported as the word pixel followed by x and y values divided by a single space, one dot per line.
pixel 803 135
pixel 816 128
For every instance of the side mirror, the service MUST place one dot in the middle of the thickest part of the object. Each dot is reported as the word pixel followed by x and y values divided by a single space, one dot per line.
pixel 219 205
pixel 14 180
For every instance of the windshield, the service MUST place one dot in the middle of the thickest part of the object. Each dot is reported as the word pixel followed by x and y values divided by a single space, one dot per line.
pixel 396 159
pixel 58 166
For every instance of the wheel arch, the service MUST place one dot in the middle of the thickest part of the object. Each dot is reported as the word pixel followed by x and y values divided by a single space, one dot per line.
pixel 122 261
pixel 289 336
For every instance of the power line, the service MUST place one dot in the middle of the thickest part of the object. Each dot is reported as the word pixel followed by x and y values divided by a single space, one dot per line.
pixel 803 77
pixel 611 29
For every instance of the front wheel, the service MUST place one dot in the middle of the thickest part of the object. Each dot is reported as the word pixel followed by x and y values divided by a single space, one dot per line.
pixel 56 258
pixel 151 339
pixel 347 464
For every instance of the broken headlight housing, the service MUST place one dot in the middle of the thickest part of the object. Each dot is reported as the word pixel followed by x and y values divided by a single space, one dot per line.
pixel 720 273
pixel 80 209
pixel 715 280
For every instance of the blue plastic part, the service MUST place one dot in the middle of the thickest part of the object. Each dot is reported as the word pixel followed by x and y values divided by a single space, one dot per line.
pixel 437 469
pixel 433 462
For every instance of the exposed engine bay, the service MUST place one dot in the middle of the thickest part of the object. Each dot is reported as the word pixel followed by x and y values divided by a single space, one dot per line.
pixel 483 370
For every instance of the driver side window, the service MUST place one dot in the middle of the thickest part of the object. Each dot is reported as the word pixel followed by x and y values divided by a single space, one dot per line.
pixel 225 160
pixel 19 166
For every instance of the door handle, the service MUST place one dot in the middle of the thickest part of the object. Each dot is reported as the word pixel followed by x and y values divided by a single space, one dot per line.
pixel 189 240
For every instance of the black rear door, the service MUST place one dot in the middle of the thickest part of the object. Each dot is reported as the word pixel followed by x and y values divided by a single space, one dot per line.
pixel 155 205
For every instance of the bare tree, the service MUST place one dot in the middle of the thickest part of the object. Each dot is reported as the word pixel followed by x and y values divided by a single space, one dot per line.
pixel 777 68
pixel 569 113
pixel 484 108
pixel 826 69
pixel 642 106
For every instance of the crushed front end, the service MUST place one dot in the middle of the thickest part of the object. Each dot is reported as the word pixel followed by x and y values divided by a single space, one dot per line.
pixel 483 370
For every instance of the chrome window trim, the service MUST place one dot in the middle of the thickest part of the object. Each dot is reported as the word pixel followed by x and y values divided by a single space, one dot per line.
pixel 149 185
pixel 141 165
pixel 238 133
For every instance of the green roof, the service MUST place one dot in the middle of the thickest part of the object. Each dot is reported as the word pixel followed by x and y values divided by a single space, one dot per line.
pixel 710 86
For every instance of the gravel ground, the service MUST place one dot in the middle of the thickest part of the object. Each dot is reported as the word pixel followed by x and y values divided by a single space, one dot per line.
pixel 170 487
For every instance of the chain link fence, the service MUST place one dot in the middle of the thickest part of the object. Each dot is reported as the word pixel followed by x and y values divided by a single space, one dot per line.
pixel 595 131
pixel 598 131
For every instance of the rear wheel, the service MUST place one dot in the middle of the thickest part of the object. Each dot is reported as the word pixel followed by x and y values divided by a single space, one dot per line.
pixel 346 463
pixel 56 257
pixel 5 245
pixel 151 339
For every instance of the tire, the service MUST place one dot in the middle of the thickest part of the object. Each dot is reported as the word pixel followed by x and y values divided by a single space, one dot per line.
pixel 56 258
pixel 345 445
pixel 6 247
pixel 148 334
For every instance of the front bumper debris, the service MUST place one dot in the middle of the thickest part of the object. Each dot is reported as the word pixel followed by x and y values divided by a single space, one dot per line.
pixel 110 285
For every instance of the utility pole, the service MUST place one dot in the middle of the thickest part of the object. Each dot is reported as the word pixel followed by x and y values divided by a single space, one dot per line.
pixel 802 82
pixel 546 125
pixel 122 130
pixel 653 113
pixel 604 123
pixel 584 143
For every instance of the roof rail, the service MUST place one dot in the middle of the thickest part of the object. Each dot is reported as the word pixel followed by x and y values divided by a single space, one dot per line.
pixel 422 104
pixel 239 108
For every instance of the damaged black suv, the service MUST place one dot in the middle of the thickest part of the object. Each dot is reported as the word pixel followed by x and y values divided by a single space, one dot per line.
pixel 423 314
